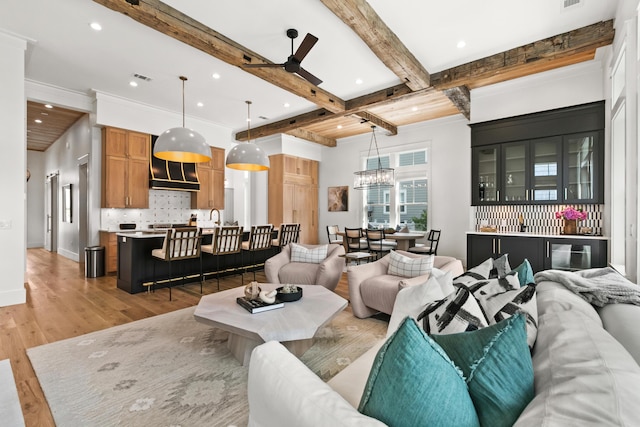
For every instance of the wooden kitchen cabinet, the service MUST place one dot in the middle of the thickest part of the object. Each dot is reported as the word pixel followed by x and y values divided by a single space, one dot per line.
pixel 125 168
pixel 110 242
pixel 293 194
pixel 211 178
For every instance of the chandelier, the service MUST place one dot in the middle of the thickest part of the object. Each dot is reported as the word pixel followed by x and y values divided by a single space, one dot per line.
pixel 374 178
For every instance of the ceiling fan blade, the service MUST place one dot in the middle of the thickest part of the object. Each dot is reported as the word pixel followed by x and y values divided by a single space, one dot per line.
pixel 305 47
pixel 262 65
pixel 308 76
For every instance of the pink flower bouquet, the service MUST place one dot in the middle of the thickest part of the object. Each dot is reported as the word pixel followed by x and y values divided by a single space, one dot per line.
pixel 571 213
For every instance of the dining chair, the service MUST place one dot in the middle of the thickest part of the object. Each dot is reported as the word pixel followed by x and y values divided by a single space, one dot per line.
pixel 288 233
pixel 259 240
pixel 431 248
pixel 225 241
pixel 332 234
pixel 355 243
pixel 179 244
pixel 376 243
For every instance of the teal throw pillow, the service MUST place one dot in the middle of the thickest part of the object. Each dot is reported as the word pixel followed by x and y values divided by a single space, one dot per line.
pixel 525 273
pixel 414 383
pixel 496 363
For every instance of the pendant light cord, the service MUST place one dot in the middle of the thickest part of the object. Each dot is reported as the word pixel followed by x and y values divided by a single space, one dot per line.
pixel 373 138
pixel 183 78
pixel 248 121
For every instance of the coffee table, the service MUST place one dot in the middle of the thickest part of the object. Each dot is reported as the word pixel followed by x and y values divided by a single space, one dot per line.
pixel 294 325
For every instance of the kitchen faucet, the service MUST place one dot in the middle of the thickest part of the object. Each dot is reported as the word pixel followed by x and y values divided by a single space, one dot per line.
pixel 211 215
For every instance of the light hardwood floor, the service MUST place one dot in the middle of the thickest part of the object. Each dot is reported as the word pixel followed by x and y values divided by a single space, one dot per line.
pixel 62 303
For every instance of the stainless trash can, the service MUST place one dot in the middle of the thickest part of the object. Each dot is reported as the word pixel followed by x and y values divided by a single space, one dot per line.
pixel 94 261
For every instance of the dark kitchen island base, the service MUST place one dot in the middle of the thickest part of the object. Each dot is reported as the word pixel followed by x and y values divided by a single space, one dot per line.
pixel 136 265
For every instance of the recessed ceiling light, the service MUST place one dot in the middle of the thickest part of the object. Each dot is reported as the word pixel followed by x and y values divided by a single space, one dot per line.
pixel 414 109
pixel 339 126
pixel 48 106
pixel 359 81
pixel 461 44
pixel 215 75
pixel 95 26
pixel 133 84
pixel 200 104
pixel 38 121
pixel 44 114
pixel 287 105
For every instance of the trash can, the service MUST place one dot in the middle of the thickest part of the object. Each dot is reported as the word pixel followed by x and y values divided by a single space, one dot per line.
pixel 94 261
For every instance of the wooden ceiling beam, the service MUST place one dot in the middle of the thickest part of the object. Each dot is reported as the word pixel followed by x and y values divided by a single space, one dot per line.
pixel 380 97
pixel 537 56
pixel 313 137
pixel 173 23
pixel 461 98
pixel 389 127
pixel 368 25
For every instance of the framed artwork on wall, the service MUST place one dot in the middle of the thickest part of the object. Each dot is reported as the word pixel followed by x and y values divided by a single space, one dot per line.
pixel 338 199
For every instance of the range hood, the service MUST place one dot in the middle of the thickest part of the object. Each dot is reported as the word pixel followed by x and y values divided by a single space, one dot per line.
pixel 166 175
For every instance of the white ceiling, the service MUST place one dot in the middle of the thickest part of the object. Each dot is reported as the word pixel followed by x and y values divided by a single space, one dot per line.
pixel 63 51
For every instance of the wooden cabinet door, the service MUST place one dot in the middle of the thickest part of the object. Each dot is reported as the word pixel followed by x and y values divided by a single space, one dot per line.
pixel 139 145
pixel 138 184
pixel 288 204
pixel 114 142
pixel 114 186
pixel 200 199
pixel 217 158
pixel 217 189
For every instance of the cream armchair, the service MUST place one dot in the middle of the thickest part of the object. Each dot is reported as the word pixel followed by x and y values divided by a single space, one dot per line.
pixel 280 269
pixel 372 290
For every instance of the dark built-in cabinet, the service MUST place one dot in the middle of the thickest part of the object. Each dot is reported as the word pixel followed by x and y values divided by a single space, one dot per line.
pixel 543 253
pixel 544 158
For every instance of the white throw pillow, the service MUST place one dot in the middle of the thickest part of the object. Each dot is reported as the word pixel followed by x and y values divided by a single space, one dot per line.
pixel 403 266
pixel 412 300
pixel 313 256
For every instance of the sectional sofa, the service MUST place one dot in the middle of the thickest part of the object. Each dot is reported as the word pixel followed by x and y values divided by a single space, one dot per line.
pixel 585 363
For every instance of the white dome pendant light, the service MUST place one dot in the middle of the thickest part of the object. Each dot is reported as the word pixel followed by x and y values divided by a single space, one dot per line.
pixel 182 144
pixel 248 156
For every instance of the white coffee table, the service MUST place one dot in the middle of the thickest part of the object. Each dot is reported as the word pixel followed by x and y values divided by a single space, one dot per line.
pixel 294 325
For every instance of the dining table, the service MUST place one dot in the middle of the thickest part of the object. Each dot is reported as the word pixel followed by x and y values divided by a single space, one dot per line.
pixel 404 240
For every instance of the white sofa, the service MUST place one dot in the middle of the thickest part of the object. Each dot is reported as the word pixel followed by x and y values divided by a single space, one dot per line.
pixel 372 290
pixel 585 364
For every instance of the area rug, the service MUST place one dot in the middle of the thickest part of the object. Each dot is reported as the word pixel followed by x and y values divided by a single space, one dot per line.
pixel 170 370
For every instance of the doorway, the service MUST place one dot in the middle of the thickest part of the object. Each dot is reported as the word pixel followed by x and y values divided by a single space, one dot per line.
pixel 83 209
pixel 51 212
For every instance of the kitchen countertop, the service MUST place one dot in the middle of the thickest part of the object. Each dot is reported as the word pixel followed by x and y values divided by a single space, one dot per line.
pixel 527 234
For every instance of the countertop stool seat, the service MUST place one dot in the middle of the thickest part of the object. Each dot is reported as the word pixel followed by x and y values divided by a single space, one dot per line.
pixel 259 240
pixel 226 241
pixel 179 244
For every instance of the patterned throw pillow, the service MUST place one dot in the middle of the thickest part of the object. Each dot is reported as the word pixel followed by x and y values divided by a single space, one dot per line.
pixel 525 273
pixel 404 266
pixel 502 298
pixel 502 265
pixel 313 256
pixel 479 272
pixel 458 312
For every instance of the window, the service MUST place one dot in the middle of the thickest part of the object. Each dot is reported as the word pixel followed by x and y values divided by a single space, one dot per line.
pixel 407 202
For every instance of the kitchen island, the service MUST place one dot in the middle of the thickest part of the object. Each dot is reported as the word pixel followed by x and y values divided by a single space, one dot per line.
pixel 136 265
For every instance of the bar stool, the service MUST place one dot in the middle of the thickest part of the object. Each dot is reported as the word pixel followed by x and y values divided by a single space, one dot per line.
pixel 289 233
pixel 179 244
pixel 225 241
pixel 259 240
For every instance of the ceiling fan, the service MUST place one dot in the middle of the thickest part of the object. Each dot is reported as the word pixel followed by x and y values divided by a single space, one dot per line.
pixel 292 64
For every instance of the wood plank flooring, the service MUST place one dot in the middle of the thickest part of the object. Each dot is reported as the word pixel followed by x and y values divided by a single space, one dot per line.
pixel 62 303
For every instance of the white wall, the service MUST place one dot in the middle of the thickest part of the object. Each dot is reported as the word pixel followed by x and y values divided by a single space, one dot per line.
pixel 63 156
pixel 450 159
pixel 13 167
pixel 35 199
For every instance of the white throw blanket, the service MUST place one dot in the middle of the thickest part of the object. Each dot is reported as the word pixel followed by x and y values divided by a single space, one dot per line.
pixel 598 286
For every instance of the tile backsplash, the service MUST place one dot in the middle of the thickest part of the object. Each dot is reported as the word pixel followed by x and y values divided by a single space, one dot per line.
pixel 165 207
pixel 540 219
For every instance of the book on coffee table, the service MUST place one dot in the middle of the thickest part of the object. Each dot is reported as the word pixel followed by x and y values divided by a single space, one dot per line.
pixel 257 306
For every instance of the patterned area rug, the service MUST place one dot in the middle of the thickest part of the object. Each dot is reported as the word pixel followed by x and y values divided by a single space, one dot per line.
pixel 170 370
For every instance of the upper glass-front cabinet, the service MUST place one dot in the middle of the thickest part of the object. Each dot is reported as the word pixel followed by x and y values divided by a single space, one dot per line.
pixel 582 182
pixel 514 172
pixel 545 170
pixel 485 175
